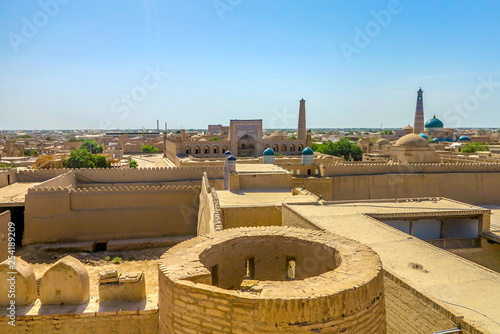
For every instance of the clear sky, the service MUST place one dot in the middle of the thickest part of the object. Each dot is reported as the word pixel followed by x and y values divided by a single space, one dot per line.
pixel 125 63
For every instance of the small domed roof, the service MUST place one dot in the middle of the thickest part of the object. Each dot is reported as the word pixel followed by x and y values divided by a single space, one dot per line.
pixel 178 132
pixel 434 123
pixel 436 140
pixel 278 134
pixel 115 139
pixel 382 141
pixel 423 135
pixel 408 127
pixel 228 153
pixel 307 151
pixel 202 139
pixel 268 151
pixel 231 158
pixel 412 140
pixel 464 138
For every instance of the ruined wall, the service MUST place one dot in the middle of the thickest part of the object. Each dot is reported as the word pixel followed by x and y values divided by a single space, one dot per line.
pixel 170 152
pixel 4 234
pixel 55 215
pixel 7 177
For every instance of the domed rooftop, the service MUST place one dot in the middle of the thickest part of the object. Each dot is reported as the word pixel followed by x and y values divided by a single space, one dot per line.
pixel 278 134
pixel 412 140
pixel 307 151
pixel 268 151
pixel 115 139
pixel 423 135
pixel 228 153
pixel 382 141
pixel 231 158
pixel 464 138
pixel 408 127
pixel 434 123
pixel 178 132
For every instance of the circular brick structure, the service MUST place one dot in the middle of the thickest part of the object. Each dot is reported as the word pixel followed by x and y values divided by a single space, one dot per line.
pixel 271 280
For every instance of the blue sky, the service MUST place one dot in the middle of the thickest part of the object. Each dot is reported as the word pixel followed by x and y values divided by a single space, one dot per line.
pixel 124 64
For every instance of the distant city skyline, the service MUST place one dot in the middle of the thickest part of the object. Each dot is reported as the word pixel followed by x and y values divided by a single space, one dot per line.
pixel 68 65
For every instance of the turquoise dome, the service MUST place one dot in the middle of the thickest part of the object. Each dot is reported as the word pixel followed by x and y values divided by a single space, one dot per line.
pixel 434 123
pixel 231 158
pixel 423 135
pixel 307 151
pixel 464 138
pixel 268 151
pixel 436 140
pixel 178 132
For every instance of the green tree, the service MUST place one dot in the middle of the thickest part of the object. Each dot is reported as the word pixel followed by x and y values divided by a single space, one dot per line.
pixel 343 147
pixel 387 132
pixel 214 139
pixel 133 164
pixel 293 137
pixel 92 146
pixel 82 158
pixel 474 147
pixel 30 153
pixel 149 149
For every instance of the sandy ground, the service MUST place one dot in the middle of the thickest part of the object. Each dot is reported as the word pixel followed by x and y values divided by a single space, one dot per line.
pixel 150 160
pixel 145 260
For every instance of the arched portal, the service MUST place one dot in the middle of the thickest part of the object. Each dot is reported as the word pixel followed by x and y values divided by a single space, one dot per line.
pixel 246 146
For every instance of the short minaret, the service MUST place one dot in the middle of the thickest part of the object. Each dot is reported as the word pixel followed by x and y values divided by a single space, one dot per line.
pixel 268 156
pixel 226 169
pixel 301 135
pixel 418 127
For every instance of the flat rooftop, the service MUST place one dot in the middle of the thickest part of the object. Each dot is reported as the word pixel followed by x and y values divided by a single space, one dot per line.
pixel 467 288
pixel 259 168
pixel 261 197
pixel 13 194
pixel 435 206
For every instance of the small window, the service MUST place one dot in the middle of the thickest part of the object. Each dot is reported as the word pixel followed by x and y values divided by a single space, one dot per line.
pixel 206 151
pixel 250 268
pixel 100 246
pixel 215 275
pixel 290 268
pixel 308 172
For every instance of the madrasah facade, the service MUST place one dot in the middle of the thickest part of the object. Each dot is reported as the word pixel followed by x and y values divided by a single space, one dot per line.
pixel 244 138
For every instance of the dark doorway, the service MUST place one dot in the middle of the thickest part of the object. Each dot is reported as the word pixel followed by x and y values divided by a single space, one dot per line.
pixel 17 217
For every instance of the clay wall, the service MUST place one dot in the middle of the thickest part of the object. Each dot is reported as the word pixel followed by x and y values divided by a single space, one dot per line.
pixel 56 215
pixel 4 235
pixel 209 213
pixel 66 180
pixel 473 188
pixel 383 168
pixel 39 175
pixel 410 311
pixel 131 322
pixel 251 216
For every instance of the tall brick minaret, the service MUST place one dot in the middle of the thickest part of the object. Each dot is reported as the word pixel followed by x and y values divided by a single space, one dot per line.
pixel 301 135
pixel 418 127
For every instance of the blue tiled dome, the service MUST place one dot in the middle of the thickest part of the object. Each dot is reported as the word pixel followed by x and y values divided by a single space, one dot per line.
pixel 268 151
pixel 434 123
pixel 423 135
pixel 307 151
